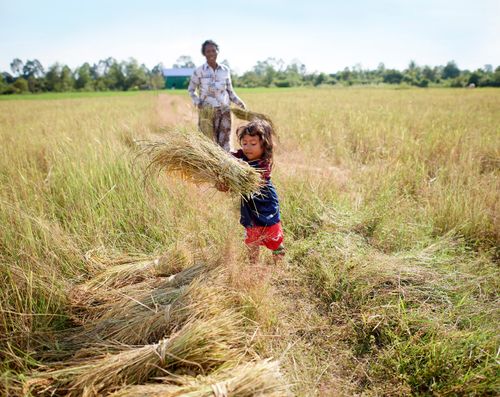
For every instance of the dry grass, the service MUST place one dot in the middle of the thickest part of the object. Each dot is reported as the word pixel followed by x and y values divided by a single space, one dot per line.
pixel 134 271
pixel 248 115
pixel 145 317
pixel 197 159
pixel 262 378
pixel 201 345
pixel 389 206
pixel 96 304
pixel 206 122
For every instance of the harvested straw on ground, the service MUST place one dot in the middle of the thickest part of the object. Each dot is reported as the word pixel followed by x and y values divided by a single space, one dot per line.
pixel 262 378
pixel 197 159
pixel 200 300
pixel 137 271
pixel 87 305
pixel 142 317
pixel 93 303
pixel 199 346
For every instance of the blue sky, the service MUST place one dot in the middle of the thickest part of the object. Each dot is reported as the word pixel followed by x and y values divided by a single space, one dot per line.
pixel 324 35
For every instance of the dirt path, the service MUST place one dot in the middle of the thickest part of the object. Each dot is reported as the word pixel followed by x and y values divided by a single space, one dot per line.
pixel 301 334
pixel 175 110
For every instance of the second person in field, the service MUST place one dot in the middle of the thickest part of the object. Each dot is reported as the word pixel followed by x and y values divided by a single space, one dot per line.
pixel 212 92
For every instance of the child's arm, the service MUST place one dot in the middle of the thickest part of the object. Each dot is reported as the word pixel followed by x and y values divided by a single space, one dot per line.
pixel 221 187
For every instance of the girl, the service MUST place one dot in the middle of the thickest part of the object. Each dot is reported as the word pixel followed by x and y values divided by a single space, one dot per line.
pixel 260 213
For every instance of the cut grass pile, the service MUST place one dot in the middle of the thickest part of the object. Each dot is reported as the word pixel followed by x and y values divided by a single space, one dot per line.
pixel 194 157
pixel 262 378
pixel 186 326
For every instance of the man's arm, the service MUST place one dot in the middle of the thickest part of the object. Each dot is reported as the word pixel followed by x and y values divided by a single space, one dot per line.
pixel 232 95
pixel 194 83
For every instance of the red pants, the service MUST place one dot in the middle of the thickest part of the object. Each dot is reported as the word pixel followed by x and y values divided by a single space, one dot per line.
pixel 268 236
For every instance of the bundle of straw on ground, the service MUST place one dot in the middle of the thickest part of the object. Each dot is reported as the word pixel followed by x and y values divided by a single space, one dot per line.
pixel 200 346
pixel 261 378
pixel 137 271
pixel 142 323
pixel 133 320
pixel 87 305
pixel 248 115
pixel 197 159
pixel 91 303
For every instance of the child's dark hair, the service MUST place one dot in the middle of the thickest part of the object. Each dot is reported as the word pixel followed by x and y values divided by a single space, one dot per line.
pixel 264 131
pixel 207 43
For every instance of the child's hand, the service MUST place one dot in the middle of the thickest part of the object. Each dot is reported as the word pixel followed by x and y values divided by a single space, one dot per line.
pixel 221 187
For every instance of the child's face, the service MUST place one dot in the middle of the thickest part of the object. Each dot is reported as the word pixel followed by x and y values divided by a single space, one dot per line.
pixel 252 147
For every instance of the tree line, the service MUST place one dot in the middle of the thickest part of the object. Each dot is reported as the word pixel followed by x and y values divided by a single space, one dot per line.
pixel 106 75
pixel 112 75
pixel 272 72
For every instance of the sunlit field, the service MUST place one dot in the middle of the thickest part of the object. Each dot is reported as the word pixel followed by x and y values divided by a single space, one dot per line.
pixel 389 201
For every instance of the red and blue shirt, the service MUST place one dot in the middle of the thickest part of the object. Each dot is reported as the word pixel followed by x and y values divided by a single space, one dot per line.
pixel 262 208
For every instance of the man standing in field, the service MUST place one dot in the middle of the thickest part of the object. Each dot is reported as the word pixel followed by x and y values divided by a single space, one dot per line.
pixel 215 92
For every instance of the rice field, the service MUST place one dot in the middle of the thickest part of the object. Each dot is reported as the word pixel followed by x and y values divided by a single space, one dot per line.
pixel 113 284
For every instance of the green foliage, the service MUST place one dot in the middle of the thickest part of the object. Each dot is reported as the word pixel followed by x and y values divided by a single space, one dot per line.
pixel 59 78
pixel 110 74
pixel 392 76
pixel 83 78
pixel 451 70
pixel 184 61
pixel 20 86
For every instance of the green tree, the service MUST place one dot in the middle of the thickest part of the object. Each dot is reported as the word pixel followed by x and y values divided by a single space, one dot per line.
pixel 266 72
pixel 451 70
pixel 20 85
pixel 495 79
pixel 83 78
pixel 3 84
pixel 392 76
pixel 53 78
pixel 158 69
pixel 488 68
pixel 156 79
pixel 66 78
pixel 184 61
pixel 136 76
pixel 16 66
pixel 115 76
pixel 33 68
pixel 429 73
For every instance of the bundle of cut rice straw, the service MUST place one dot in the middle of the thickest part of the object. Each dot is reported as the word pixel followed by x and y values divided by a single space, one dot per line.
pixel 262 378
pixel 196 158
pixel 206 121
pixel 248 115
pixel 136 271
pixel 199 345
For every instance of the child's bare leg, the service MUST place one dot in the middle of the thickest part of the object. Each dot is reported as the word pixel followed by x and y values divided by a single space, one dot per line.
pixel 279 254
pixel 253 254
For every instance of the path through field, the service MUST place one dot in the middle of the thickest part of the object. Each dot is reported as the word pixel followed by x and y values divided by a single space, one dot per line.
pixel 303 334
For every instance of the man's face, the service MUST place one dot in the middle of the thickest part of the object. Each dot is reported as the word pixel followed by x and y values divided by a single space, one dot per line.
pixel 211 53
